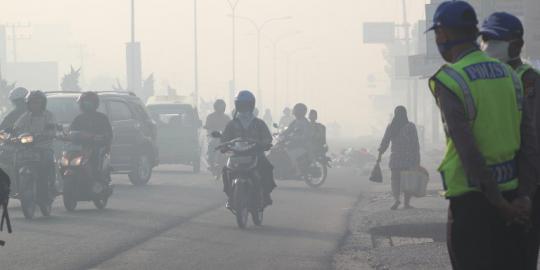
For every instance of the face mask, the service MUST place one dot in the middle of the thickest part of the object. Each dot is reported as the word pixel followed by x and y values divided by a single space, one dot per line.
pixel 447 46
pixel 497 49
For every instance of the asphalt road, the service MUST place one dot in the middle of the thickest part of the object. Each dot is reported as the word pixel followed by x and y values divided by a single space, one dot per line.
pixel 179 221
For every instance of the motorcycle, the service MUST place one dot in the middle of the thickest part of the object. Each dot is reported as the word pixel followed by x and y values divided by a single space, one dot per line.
pixel 247 190
pixel 24 160
pixel 80 183
pixel 314 167
pixel 216 160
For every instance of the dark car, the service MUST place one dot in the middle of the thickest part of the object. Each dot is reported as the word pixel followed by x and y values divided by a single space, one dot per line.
pixel 178 127
pixel 134 150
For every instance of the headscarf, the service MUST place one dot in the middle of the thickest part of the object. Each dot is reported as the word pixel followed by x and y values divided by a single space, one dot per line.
pixel 399 121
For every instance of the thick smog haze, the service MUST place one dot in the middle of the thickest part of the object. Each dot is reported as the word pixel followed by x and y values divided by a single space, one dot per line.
pixel 329 64
pixel 269 134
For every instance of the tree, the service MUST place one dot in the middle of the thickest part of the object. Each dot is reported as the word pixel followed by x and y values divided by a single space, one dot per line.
pixel 70 82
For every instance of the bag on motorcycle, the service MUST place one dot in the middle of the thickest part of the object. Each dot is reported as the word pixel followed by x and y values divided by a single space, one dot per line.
pixel 376 174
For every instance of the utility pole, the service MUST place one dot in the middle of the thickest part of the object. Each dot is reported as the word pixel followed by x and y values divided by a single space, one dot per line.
pixel 15 37
pixel 132 21
pixel 133 61
pixel 196 54
pixel 411 97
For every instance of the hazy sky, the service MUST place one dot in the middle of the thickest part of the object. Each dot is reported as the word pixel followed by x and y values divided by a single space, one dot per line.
pixel 329 75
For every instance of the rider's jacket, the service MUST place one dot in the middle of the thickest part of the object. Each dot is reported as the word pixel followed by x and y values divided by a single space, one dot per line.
pixel 298 133
pixel 256 130
pixel 12 117
pixel 40 125
pixel 95 123
pixel 216 122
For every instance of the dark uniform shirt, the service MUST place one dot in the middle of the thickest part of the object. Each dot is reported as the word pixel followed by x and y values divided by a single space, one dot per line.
pixel 529 157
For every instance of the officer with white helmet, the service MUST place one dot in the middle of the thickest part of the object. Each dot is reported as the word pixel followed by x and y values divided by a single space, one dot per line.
pixel 17 97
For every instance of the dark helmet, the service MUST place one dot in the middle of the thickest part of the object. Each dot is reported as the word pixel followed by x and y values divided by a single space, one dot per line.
pixel 244 101
pixel 88 101
pixel 37 95
pixel 219 105
pixel 313 115
pixel 300 110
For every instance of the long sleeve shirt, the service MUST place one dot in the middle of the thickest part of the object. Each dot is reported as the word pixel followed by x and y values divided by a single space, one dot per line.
pixel 529 155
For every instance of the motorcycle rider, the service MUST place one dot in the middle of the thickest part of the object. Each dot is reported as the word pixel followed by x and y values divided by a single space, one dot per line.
pixel 298 136
pixel 96 127
pixel 17 97
pixel 246 125
pixel 216 121
pixel 318 133
pixel 286 119
pixel 40 122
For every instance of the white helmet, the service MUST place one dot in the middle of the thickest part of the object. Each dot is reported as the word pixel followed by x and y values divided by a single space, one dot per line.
pixel 18 93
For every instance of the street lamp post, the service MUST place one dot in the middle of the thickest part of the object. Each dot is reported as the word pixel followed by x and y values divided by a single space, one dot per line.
pixel 259 28
pixel 233 4
pixel 289 55
pixel 196 55
pixel 275 44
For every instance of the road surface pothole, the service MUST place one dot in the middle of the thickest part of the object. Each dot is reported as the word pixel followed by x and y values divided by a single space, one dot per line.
pixel 407 234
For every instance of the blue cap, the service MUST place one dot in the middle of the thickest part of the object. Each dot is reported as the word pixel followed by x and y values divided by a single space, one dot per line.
pixel 454 14
pixel 502 26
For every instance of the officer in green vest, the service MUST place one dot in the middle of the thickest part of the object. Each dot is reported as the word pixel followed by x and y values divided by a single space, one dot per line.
pixel 502 38
pixel 480 101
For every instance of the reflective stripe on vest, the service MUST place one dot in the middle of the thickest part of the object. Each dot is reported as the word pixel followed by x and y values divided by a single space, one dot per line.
pixel 470 108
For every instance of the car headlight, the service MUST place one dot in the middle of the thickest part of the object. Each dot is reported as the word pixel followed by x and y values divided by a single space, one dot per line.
pixel 26 139
pixel 76 161
pixel 3 136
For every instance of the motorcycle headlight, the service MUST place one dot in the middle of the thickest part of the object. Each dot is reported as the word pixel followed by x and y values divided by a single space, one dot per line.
pixel 64 162
pixel 76 161
pixel 27 139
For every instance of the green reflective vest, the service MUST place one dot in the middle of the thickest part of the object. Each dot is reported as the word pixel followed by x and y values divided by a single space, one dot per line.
pixel 492 95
